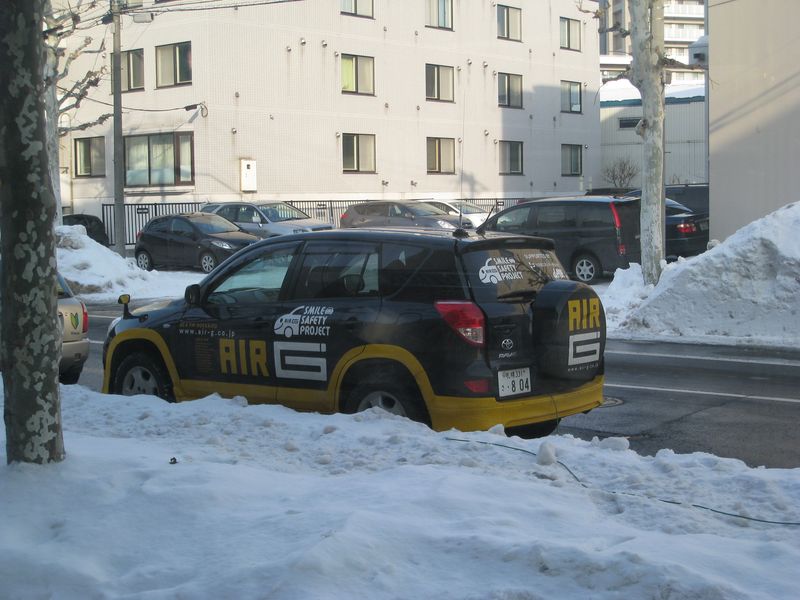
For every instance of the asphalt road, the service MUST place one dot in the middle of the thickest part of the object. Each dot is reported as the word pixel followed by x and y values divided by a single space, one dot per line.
pixel 729 401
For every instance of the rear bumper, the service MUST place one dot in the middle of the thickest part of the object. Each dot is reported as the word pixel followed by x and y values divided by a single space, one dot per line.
pixel 685 246
pixel 472 414
pixel 73 354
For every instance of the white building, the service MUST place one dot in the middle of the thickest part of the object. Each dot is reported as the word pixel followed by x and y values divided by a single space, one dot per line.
pixel 344 100
pixel 684 23
pixel 754 110
pixel 684 129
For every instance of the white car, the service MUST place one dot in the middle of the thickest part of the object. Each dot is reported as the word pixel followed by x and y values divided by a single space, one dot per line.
pixel 289 324
pixel 471 212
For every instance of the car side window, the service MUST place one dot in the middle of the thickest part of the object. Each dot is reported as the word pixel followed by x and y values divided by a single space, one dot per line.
pixel 257 281
pixel 374 210
pixel 555 217
pixel 398 263
pixel 248 214
pixel 342 270
pixel 228 212
pixel 596 216
pixel 182 228
pixel 513 220
pixel 159 226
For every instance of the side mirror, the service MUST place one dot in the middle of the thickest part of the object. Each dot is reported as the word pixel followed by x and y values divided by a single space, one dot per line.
pixel 192 295
pixel 125 299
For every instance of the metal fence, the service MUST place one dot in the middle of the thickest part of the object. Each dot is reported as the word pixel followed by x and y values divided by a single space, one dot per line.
pixel 137 215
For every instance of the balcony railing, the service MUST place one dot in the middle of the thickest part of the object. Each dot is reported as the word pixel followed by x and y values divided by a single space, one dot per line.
pixel 683 35
pixel 684 10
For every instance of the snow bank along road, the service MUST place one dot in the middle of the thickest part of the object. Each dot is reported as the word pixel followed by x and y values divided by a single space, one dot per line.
pixel 730 401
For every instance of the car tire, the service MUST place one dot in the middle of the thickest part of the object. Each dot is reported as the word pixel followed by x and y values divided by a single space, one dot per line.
pixel 144 261
pixel 139 373
pixel 586 268
pixel 208 262
pixel 71 376
pixel 402 399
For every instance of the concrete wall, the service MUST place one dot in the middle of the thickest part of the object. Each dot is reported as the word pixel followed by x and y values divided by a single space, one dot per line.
pixel 286 106
pixel 754 106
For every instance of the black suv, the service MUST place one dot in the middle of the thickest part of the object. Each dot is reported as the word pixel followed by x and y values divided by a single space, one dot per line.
pixel 452 329
pixel 593 235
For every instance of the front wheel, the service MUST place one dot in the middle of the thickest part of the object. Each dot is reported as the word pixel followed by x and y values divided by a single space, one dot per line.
pixel 207 262
pixel 395 398
pixel 586 268
pixel 144 261
pixel 139 373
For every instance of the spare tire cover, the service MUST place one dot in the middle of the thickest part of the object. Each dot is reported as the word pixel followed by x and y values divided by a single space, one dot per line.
pixel 569 331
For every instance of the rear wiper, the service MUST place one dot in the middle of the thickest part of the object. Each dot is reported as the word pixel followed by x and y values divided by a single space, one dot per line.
pixel 517 295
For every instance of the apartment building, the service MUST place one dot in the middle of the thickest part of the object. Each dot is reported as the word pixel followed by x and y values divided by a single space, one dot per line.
pixel 341 99
pixel 684 23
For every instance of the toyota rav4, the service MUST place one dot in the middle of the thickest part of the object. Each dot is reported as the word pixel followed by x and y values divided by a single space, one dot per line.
pixel 453 329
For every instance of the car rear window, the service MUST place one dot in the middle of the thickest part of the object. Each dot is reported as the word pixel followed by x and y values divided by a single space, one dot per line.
pixel 503 271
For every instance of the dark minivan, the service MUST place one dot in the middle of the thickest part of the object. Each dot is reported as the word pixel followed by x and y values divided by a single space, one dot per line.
pixel 593 235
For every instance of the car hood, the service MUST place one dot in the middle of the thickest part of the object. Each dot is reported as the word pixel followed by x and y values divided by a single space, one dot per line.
pixel 234 238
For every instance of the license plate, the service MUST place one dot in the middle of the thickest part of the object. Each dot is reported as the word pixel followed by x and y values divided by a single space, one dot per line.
pixel 514 381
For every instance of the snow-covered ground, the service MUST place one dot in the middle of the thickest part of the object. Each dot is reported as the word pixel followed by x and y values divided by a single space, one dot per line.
pixel 217 499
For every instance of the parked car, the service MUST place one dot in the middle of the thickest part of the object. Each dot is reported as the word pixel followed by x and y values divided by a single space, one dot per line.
pixel 74 320
pixel 93 225
pixel 267 219
pixel 412 322
pixel 189 240
pixel 691 195
pixel 686 232
pixel 473 215
pixel 412 213
pixel 593 235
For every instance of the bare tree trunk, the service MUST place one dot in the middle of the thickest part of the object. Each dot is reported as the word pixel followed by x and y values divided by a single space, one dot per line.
pixel 30 341
pixel 647 74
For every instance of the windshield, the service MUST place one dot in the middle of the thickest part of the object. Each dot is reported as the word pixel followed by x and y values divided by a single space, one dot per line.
pixel 423 209
pixel 213 224
pixel 500 273
pixel 280 211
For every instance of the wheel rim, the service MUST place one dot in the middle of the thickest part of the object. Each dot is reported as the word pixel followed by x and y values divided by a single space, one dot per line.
pixel 143 261
pixel 383 400
pixel 207 263
pixel 584 269
pixel 139 381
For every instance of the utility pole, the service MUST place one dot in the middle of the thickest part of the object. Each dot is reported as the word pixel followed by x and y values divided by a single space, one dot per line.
pixel 119 147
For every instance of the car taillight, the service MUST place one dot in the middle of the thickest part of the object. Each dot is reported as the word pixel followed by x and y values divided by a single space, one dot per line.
pixel 615 214
pixel 686 228
pixel 85 319
pixel 621 249
pixel 465 318
pixel 477 386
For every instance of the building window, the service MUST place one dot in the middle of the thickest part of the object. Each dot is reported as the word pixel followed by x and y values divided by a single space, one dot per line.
pixel 174 64
pixel 570 34
pixel 358 74
pixel 509 23
pixel 159 159
pixel 629 122
pixel 90 157
pixel 509 90
pixel 439 83
pixel 571 160
pixel 570 97
pixel 439 14
pixel 357 8
pixel 441 155
pixel 132 70
pixel 358 153
pixel 510 158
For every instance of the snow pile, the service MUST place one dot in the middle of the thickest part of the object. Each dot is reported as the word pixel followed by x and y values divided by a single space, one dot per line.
pixel 98 274
pixel 744 290
pixel 217 499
